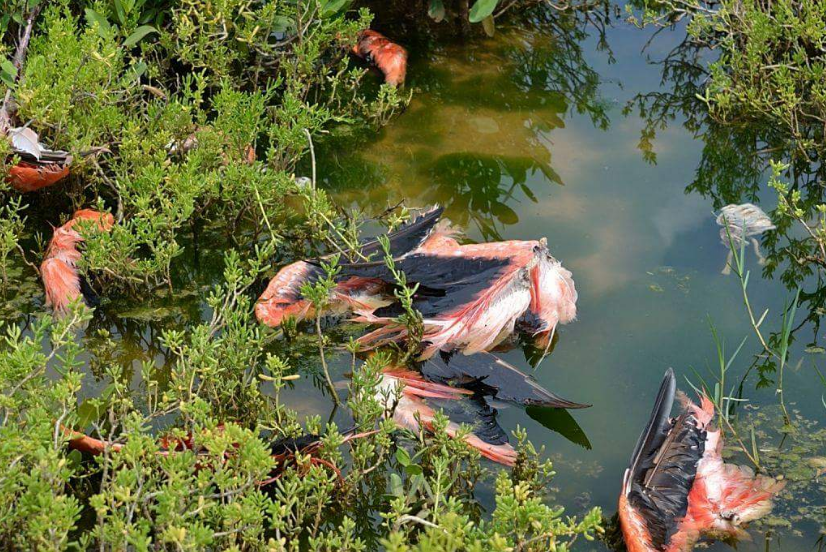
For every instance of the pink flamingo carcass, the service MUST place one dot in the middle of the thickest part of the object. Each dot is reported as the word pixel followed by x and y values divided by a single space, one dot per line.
pixel 38 167
pixel 402 391
pixel 677 487
pixel 387 56
pixel 472 297
pixel 59 268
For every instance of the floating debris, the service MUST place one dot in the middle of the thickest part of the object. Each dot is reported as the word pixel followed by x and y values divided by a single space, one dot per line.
pixel 388 57
pixel 739 224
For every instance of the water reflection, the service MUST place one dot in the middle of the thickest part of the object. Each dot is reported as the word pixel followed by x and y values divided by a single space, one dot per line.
pixel 476 137
pixel 733 167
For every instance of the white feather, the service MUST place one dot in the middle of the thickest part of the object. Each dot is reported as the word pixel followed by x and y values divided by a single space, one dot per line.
pixel 26 140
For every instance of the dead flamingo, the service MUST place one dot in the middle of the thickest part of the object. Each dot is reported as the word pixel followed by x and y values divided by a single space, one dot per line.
pixel 402 392
pixel 390 58
pixel 59 268
pixel 677 487
pixel 38 167
pixel 471 297
pixel 282 451
pixel 741 223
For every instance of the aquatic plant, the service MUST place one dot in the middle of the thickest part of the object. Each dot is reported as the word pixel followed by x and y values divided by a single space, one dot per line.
pixel 186 115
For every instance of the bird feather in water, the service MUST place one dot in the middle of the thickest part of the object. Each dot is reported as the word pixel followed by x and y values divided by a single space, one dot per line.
pixel 677 486
pixel 61 279
pixel 472 296
pixel 487 374
pixel 282 298
pixel 411 412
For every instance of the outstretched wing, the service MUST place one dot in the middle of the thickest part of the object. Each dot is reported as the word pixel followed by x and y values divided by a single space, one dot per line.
pixel 406 238
pixel 478 414
pixel 446 283
pixel 487 374
pixel 664 465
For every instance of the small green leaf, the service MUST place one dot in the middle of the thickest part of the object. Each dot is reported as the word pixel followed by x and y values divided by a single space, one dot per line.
pixel 138 35
pixel 8 73
pixel 331 7
pixel 137 71
pixel 93 17
pixel 75 458
pixel 402 457
pixel 481 9
pixel 413 469
pixel 396 487
pixel 87 412
pixel 120 12
pixel 436 10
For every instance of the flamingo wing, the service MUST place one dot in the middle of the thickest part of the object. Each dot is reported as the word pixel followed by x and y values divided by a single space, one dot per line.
pixel 30 177
pixel 61 282
pixel 407 237
pixel 662 470
pixel 488 374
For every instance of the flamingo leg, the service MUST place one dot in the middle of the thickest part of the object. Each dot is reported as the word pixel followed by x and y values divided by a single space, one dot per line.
pixel 727 268
pixel 760 258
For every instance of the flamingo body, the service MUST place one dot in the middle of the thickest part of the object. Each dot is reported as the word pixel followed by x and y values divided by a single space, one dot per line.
pixel 39 167
pixel 677 487
pixel 59 268
pixel 471 297
pixel 411 412
pixel 388 57
pixel 30 177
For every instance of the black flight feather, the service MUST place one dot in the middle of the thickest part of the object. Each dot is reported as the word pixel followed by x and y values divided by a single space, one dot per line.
pixel 487 374
pixel 445 282
pixel 403 240
pixel 664 465
pixel 476 413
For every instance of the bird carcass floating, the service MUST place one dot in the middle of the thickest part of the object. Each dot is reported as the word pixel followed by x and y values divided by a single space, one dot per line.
pixel 472 297
pixel 387 56
pixel 59 269
pixel 677 487
pixel 741 223
pixel 465 389
pixel 38 167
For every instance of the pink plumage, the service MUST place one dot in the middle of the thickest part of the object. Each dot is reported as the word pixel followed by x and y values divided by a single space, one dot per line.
pixel 410 411
pixel 59 268
pixel 390 58
pixel 678 489
pixel 471 297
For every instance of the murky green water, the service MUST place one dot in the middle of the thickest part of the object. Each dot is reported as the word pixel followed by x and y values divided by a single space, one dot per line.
pixel 523 136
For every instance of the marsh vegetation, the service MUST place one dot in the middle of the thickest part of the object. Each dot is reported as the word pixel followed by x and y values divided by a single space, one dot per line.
pixel 230 139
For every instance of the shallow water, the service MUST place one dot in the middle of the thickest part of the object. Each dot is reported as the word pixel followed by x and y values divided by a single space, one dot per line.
pixel 523 136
